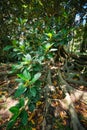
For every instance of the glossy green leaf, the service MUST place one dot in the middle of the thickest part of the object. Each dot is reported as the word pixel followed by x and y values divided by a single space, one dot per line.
pixel 26 74
pixel 14 109
pixel 24 117
pixel 19 80
pixel 33 91
pixel 21 102
pixel 36 77
pixel 28 57
pixel 49 35
pixel 21 89
pixel 7 48
pixel 12 122
pixel 22 77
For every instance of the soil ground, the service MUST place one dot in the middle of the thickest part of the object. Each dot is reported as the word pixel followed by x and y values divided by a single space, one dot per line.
pixel 56 117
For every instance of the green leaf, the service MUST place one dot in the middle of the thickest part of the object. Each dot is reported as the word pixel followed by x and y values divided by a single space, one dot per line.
pixel 19 80
pixel 7 48
pixel 24 117
pixel 22 77
pixel 32 107
pixel 36 77
pixel 12 121
pixel 24 6
pixel 49 35
pixel 10 124
pixel 21 102
pixel 27 74
pixel 28 57
pixel 14 110
pixel 21 89
pixel 33 91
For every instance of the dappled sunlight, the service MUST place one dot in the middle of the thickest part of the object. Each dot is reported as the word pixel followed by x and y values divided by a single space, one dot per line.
pixel 43 65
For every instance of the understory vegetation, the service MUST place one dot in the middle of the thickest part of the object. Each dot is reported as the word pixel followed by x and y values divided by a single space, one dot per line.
pixel 43 65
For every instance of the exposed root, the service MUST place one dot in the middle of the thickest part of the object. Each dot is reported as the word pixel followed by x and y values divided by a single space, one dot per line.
pixel 67 102
pixel 80 82
pixel 75 94
pixel 47 101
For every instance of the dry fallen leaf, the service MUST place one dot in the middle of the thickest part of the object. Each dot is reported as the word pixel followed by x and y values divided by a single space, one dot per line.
pixel 40 119
pixel 55 83
pixel 33 128
pixel 31 116
pixel 55 96
pixel 38 103
pixel 33 122
pixel 64 122
pixel 63 114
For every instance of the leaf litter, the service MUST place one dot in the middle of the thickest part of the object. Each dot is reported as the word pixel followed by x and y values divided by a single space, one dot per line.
pixel 56 118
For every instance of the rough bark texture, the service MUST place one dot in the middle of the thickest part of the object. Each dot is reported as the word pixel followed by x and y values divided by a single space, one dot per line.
pixel 71 95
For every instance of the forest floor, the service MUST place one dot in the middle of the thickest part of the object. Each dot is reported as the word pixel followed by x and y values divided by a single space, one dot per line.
pixel 56 117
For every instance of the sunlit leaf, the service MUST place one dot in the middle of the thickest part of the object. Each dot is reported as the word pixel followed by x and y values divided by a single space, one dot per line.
pixel 14 109
pixel 28 57
pixel 49 35
pixel 48 46
pixel 35 78
pixel 22 77
pixel 24 6
pixel 27 74
pixel 40 3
